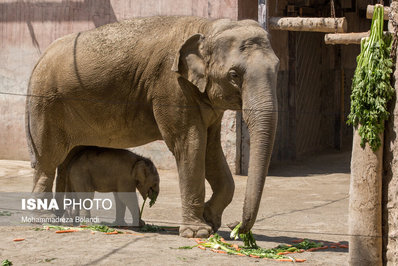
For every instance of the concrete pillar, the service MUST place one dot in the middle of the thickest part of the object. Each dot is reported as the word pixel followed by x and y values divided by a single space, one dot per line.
pixel 364 219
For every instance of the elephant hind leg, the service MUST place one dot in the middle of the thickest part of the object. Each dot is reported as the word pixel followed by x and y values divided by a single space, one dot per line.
pixel 43 180
pixel 50 155
pixel 49 139
pixel 44 177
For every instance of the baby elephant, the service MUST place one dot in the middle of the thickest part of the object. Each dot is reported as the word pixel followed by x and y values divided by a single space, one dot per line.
pixel 113 170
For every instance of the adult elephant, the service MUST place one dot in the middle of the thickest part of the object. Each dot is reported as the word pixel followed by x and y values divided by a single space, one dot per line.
pixel 132 82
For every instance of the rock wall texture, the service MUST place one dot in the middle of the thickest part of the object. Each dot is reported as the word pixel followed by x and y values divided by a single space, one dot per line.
pixel 390 175
pixel 390 187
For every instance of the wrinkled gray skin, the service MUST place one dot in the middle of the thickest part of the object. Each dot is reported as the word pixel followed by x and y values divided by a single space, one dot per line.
pixel 111 170
pixel 130 83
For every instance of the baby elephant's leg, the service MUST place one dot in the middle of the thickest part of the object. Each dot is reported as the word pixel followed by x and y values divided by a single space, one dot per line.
pixel 86 204
pixel 120 209
pixel 74 211
pixel 131 201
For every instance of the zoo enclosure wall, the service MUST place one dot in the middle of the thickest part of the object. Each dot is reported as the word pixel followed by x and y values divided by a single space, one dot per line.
pixel 308 81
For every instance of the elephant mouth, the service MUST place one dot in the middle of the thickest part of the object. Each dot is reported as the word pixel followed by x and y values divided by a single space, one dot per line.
pixel 152 195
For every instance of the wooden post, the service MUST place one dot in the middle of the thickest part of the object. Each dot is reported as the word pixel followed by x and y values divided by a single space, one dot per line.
pixel 364 219
pixel 263 14
pixel 308 24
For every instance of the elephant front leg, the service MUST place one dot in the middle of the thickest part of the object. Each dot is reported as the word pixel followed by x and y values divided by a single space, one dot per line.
pixel 130 200
pixel 191 170
pixel 185 134
pixel 84 199
pixel 219 177
pixel 120 210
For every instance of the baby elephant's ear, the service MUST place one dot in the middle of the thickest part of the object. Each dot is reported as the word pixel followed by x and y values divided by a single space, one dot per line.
pixel 189 62
pixel 139 172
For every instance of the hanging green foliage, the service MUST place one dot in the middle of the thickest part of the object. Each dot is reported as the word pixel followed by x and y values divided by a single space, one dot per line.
pixel 371 87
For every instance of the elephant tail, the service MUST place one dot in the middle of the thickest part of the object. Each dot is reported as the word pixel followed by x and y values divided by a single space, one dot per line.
pixel 31 145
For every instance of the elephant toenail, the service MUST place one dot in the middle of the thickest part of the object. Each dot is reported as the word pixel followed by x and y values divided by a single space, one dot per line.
pixel 187 233
pixel 202 233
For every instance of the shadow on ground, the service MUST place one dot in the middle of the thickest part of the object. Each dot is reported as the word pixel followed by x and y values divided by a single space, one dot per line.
pixel 330 162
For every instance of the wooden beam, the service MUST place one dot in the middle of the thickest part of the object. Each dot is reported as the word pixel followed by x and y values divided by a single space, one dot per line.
pixel 308 24
pixel 345 38
pixel 370 9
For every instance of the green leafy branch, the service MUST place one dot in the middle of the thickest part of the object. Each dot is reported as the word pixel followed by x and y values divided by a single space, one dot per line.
pixel 371 88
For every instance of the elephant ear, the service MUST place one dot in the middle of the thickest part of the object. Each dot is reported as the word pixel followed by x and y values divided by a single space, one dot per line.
pixel 139 173
pixel 189 62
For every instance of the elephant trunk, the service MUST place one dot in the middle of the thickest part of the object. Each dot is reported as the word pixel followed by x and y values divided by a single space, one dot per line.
pixel 260 114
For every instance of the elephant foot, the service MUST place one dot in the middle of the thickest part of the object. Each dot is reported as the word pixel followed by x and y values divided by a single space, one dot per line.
pixel 140 224
pixel 119 223
pixel 199 231
pixel 212 219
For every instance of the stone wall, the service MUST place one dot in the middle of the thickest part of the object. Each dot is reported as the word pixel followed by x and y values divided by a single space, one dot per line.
pixel 390 177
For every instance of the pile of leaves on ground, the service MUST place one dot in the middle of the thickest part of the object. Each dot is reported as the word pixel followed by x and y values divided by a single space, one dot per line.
pixel 371 87
pixel 280 253
pixel 250 248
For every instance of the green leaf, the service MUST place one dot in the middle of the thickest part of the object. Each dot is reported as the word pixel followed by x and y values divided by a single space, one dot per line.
pixel 6 262
pixel 186 247
pixel 371 87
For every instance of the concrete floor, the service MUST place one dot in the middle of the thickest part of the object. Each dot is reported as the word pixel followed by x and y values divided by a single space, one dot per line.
pixel 302 199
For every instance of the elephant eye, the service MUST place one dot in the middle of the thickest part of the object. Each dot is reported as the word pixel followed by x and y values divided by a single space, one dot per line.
pixel 234 77
pixel 233 74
